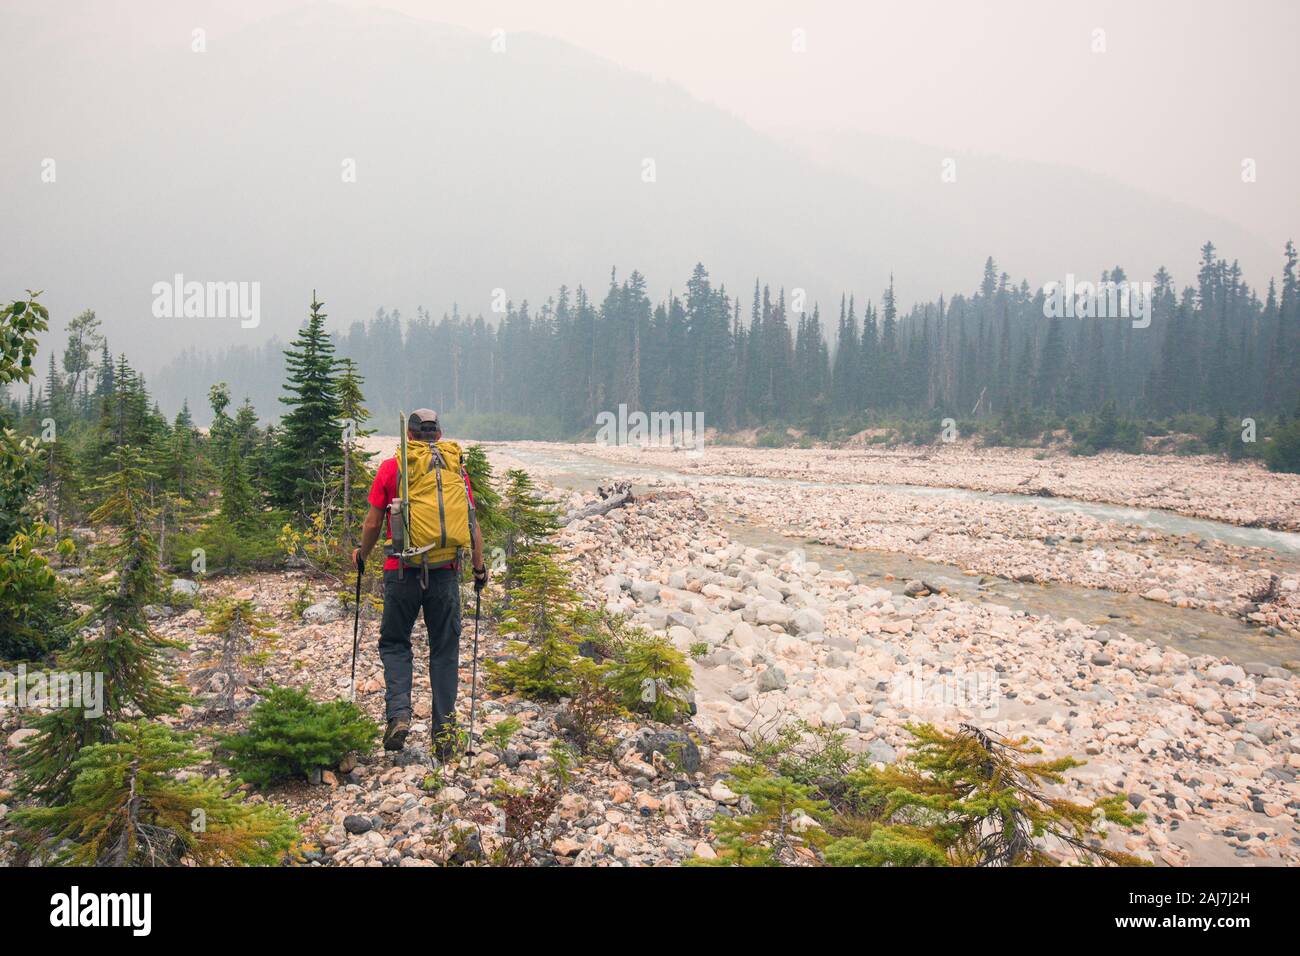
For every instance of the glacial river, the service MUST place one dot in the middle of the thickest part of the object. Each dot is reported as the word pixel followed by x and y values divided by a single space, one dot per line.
pixel 1191 631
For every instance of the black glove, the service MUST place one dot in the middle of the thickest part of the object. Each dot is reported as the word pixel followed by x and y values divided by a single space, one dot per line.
pixel 480 579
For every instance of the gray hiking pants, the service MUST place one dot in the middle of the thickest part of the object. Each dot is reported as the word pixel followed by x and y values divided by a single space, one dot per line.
pixel 404 598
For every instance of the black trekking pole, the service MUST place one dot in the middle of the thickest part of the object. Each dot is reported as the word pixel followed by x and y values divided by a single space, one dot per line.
pixel 473 679
pixel 356 632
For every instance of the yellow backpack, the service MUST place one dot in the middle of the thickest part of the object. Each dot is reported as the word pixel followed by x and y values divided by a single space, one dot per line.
pixel 431 518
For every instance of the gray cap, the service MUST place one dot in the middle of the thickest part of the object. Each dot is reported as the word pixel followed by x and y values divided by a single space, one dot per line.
pixel 423 421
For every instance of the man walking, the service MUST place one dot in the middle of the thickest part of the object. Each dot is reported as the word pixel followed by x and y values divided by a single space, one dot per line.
pixel 426 515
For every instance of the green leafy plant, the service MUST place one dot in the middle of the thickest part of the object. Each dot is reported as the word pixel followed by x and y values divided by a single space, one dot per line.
pixel 34 616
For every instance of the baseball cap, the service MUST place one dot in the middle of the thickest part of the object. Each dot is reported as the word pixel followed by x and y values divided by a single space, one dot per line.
pixel 423 421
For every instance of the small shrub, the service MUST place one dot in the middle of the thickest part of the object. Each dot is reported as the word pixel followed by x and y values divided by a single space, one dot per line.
pixel 784 827
pixel 652 677
pixel 1283 451
pixel 244 642
pixel 541 673
pixel 35 619
pixel 228 547
pixel 593 707
pixel 289 735
pixel 500 733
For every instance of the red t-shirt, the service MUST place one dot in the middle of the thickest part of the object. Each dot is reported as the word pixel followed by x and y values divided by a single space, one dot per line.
pixel 382 493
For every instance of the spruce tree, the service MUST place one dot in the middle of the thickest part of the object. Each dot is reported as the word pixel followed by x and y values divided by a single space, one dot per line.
pixel 547 620
pixel 487 503
pixel 309 448
pixel 115 639
pixel 527 520
pixel 245 637
pixel 128 806
pixel 238 499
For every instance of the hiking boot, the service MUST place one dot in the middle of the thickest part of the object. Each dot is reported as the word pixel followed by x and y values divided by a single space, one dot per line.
pixel 395 734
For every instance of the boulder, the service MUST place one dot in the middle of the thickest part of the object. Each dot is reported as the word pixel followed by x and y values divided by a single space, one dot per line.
pixel 771 613
pixel 673 744
pixel 324 612
pixel 807 620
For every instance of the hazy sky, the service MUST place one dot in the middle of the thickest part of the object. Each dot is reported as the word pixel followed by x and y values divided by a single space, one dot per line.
pixel 1185 90
pixel 226 167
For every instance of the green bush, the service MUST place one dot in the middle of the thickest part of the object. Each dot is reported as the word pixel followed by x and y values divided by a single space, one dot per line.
pixel 229 547
pixel 289 735
pixel 1106 431
pixel 34 617
pixel 1283 452
pixel 651 676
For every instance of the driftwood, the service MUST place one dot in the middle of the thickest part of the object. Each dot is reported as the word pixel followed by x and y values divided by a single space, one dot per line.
pixel 611 497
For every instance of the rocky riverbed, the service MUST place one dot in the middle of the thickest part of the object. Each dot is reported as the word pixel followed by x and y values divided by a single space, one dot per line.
pixel 1200 486
pixel 1028 544
pixel 1207 748
pixel 1017 538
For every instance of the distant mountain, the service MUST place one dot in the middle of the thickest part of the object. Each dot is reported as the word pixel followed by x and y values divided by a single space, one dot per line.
pixel 479 170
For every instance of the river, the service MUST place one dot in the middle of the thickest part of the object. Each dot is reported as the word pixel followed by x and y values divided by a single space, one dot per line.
pixel 1189 630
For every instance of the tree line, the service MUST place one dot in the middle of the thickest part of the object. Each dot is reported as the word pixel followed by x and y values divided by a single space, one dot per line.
pixel 763 357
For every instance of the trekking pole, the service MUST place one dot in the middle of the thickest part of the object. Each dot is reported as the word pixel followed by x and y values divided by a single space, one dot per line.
pixel 356 632
pixel 473 679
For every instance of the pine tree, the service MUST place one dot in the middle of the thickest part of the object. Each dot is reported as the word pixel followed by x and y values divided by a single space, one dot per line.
pixel 527 520
pixel 309 450
pixel 487 503
pixel 784 827
pixel 238 505
pixel 969 798
pixel 182 458
pixel 115 640
pixel 547 619
pixel 245 637
pixel 127 806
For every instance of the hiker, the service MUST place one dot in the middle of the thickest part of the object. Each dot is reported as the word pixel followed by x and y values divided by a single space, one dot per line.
pixel 422 571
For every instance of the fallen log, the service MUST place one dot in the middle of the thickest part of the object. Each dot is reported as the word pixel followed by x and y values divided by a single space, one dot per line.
pixel 613 497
